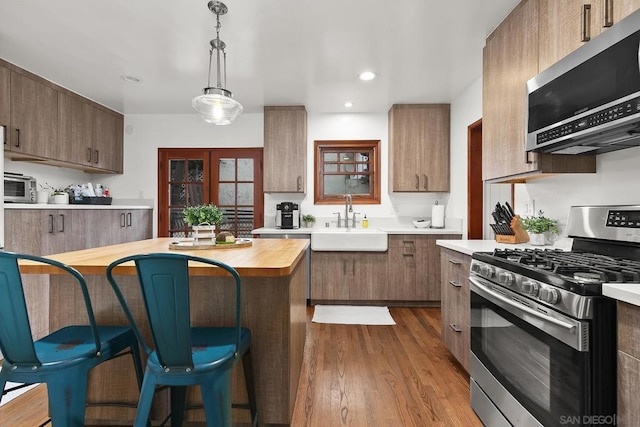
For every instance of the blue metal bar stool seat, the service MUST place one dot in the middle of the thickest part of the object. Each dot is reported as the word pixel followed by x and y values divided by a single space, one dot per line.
pixel 61 359
pixel 183 355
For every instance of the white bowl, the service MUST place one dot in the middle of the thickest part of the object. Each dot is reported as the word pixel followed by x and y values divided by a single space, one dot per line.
pixel 421 223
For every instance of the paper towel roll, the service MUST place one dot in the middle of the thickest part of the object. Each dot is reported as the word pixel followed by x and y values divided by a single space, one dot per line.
pixel 437 216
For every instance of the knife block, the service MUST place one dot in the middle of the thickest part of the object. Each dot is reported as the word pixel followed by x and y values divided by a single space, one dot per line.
pixel 520 235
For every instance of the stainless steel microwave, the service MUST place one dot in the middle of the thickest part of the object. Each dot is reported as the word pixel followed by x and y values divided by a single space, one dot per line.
pixel 19 188
pixel 589 101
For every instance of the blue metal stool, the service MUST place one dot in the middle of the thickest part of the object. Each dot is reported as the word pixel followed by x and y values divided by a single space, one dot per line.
pixel 183 355
pixel 63 358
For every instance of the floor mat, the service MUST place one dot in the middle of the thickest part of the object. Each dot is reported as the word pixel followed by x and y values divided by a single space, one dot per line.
pixel 352 315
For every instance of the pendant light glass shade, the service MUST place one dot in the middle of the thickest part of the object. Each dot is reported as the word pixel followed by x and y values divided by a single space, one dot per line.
pixel 216 105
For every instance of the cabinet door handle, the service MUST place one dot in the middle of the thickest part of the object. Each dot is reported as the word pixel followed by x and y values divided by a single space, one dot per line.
pixel 123 223
pixel 89 154
pixel 426 185
pixel 129 219
pixel 527 160
pixel 608 13
pixel 299 183
pixel 454 261
pixel 411 255
pixel 455 328
pixel 417 182
pixel 96 160
pixel 17 137
pixel 61 223
pixel 455 284
pixel 586 23
pixel 4 134
pixel 50 224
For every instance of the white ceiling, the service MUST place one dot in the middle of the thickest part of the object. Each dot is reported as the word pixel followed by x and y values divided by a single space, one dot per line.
pixel 279 52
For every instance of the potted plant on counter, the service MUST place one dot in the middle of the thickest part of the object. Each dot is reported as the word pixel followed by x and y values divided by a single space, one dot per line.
pixel 539 228
pixel 309 220
pixel 60 197
pixel 203 220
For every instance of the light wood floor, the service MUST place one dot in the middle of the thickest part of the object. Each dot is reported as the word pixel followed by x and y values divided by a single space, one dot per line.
pixel 361 376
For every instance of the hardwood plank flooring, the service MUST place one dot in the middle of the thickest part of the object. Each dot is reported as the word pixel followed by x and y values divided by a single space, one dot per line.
pixel 354 375
pixel 371 376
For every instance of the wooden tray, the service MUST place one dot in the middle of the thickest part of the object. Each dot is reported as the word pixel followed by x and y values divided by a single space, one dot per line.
pixel 187 245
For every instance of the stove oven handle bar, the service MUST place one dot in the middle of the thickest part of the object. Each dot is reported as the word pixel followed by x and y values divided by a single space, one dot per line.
pixel 568 337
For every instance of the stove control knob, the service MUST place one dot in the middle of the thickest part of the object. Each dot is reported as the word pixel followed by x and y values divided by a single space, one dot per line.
pixel 530 287
pixel 487 271
pixel 549 295
pixel 505 278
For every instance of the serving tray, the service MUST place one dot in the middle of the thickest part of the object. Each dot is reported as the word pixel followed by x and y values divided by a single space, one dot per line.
pixel 187 245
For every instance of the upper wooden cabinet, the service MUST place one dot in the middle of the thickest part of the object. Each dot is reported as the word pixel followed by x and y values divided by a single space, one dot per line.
pixel 568 24
pixel 285 149
pixel 52 125
pixel 419 147
pixel 34 117
pixel 510 58
pixel 5 102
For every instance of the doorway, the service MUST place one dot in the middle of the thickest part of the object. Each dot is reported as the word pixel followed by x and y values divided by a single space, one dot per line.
pixel 230 178
pixel 475 184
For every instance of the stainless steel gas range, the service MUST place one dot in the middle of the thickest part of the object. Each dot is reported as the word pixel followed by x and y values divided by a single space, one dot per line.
pixel 543 338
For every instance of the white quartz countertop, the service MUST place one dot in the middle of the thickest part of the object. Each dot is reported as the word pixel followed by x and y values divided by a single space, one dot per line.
pixel 69 206
pixel 625 292
pixel 468 247
pixel 397 229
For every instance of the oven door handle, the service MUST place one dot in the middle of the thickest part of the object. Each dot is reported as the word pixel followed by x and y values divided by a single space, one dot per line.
pixel 481 289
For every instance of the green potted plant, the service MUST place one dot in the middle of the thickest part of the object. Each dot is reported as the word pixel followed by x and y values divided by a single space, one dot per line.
pixel 60 197
pixel 203 220
pixel 309 220
pixel 539 227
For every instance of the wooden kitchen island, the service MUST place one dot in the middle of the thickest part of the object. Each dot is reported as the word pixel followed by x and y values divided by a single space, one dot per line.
pixel 274 282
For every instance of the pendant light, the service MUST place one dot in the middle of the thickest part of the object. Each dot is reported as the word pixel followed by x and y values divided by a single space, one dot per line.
pixel 216 105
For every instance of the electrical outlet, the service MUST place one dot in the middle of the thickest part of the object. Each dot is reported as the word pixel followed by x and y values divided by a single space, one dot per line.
pixel 529 208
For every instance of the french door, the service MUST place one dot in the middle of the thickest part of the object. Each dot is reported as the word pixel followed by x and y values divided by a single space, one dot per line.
pixel 230 178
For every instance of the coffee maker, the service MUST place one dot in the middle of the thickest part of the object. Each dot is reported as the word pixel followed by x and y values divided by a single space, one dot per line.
pixel 287 215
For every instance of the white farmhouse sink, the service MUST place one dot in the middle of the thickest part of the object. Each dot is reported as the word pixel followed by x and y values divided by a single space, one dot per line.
pixel 342 239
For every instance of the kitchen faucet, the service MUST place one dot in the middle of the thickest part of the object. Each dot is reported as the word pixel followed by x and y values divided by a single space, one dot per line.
pixel 348 207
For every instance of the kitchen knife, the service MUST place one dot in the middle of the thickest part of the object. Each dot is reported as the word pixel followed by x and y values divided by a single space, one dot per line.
pixel 502 211
pixel 510 209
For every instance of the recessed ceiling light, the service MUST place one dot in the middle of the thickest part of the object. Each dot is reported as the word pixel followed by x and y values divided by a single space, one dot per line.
pixel 131 79
pixel 348 104
pixel 367 75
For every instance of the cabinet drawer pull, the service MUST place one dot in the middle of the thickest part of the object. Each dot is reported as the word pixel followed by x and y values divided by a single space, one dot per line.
pixel 417 182
pixel 89 154
pixel 426 181
pixel 51 224
pixel 61 223
pixel 411 255
pixel 454 261
pixel 17 137
pixel 129 219
pixel 96 160
pixel 455 284
pixel 586 23
pixel 123 223
pixel 608 13
pixel 455 328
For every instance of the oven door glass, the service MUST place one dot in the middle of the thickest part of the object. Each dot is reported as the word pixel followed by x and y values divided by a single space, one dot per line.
pixel 15 189
pixel 548 377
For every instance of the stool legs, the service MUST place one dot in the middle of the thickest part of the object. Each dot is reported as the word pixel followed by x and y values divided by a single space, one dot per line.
pixel 216 398
pixel 67 397
pixel 251 391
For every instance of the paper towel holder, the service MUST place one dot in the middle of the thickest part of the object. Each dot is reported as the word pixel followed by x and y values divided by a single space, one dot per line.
pixel 437 216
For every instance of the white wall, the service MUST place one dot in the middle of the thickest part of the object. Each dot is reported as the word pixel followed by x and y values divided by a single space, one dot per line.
pixel 616 182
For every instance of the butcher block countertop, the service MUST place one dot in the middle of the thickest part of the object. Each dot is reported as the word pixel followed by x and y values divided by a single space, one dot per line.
pixel 264 258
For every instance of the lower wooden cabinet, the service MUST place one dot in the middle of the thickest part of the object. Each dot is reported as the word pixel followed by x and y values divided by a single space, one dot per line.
pixel 348 276
pixel 409 272
pixel 50 231
pixel 414 267
pixel 455 304
pixel 628 364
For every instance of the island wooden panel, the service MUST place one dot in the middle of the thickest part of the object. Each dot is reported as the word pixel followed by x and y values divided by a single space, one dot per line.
pixel 273 306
